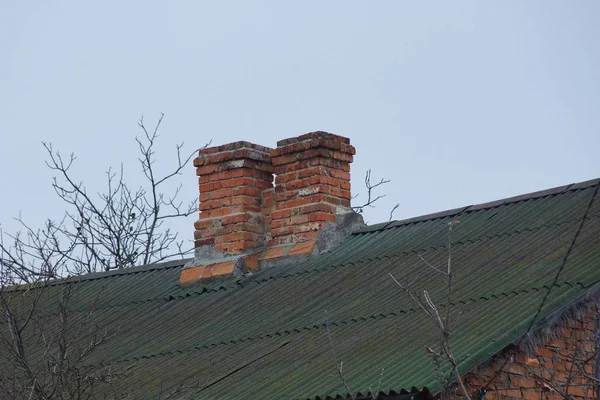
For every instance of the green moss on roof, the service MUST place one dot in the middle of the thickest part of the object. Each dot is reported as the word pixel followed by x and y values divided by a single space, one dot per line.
pixel 265 335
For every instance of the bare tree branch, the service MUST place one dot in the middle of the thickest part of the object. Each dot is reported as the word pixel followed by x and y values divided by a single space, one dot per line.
pixel 443 325
pixel 371 196
pixel 45 334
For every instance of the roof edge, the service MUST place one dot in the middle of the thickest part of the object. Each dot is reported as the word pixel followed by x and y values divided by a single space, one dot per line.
pixel 481 206
pixel 104 274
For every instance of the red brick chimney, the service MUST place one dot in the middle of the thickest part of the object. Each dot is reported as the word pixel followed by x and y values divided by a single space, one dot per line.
pixel 312 185
pixel 245 223
pixel 232 178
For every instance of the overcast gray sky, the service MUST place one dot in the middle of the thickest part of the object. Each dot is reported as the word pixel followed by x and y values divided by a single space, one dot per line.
pixel 457 102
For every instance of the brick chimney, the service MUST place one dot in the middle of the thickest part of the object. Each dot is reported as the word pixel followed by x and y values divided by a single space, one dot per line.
pixel 312 185
pixel 246 223
pixel 232 178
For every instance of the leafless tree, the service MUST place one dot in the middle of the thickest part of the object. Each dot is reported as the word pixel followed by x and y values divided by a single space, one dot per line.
pixel 119 228
pixel 450 384
pixel 49 331
pixel 44 341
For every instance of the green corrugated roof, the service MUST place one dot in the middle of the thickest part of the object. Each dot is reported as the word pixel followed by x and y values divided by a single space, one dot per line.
pixel 265 335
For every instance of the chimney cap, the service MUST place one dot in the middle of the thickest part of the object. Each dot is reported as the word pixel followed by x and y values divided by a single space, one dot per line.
pixel 232 151
pixel 314 135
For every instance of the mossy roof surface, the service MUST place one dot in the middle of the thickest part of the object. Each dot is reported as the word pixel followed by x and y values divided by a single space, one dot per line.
pixel 281 333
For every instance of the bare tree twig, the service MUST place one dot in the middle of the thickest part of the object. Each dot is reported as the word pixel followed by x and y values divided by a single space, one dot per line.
pixel 371 196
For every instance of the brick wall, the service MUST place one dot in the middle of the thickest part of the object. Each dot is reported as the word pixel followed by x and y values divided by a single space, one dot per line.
pixel 564 367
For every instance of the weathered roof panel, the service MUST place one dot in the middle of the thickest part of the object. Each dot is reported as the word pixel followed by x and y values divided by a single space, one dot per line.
pixel 282 332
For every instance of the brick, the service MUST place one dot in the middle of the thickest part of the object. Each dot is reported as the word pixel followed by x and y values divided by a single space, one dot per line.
pixel 323 180
pixel 203 224
pixel 545 352
pixel 245 200
pixel 251 261
pixel 251 154
pixel 204 196
pixel 278 223
pixel 344 194
pixel 301 237
pixel 222 268
pixel 321 216
pixel 280 195
pixel 313 135
pixel 283 205
pixel 314 153
pixel 238 247
pixel 213 204
pixel 340 174
pixel 239 236
pixel 284 230
pixel 242 144
pixel 246 191
pixel 295 147
pixel 252 173
pixel 268 203
pixel 189 275
pixel 218 176
pixel 318 198
pixel 281 214
pixel 303 248
pixel 215 158
pixel 311 208
pixel 280 240
pixel 239 182
pixel 522 381
pixel 282 160
pixel 557 343
pixel 577 391
pixel 210 187
pixel 515 369
pixel 217 233
pixel 299 219
pixel 301 145
pixel 219 212
pixel 206 169
pixel 312 171
pixel 532 361
pixel 233 219
pixel 200 241
pixel 290 163
pixel 297 184
pixel 274 252
pixel 308 227
pixel 209 150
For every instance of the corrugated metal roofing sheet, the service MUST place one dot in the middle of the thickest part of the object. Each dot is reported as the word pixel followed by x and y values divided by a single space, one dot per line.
pixel 270 334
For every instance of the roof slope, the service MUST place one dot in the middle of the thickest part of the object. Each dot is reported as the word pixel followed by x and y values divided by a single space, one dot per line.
pixel 265 335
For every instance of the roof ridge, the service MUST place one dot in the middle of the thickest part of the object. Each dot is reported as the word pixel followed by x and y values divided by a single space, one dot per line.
pixel 132 270
pixel 104 274
pixel 482 206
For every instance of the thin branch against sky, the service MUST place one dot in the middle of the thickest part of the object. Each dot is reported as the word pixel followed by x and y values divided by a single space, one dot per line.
pixel 501 97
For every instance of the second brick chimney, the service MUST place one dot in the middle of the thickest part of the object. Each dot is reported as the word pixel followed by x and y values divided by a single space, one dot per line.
pixel 247 222
pixel 312 185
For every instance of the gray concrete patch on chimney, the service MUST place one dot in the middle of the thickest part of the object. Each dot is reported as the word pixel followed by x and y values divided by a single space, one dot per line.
pixel 333 233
